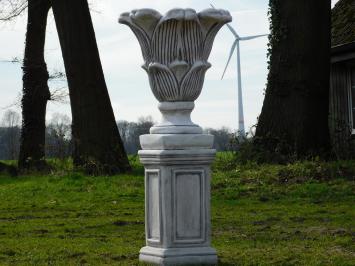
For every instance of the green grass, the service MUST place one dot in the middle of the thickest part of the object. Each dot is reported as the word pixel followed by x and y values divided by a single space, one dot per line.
pixel 299 214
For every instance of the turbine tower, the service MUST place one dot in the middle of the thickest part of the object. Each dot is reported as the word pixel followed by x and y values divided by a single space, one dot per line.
pixel 241 128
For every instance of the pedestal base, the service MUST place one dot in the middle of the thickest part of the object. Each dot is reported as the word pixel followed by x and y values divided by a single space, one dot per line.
pixel 179 256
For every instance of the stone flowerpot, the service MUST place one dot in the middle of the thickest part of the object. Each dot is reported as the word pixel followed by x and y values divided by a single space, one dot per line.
pixel 176 154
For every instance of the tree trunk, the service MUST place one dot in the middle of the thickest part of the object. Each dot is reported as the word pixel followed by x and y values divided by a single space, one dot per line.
pixel 294 117
pixel 35 88
pixel 97 143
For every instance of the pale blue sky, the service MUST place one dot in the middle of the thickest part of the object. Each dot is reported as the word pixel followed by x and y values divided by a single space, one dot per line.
pixel 128 83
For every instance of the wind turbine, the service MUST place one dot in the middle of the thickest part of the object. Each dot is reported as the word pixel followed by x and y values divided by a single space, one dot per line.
pixel 241 128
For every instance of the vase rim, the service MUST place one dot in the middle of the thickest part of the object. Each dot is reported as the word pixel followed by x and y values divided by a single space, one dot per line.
pixel 178 14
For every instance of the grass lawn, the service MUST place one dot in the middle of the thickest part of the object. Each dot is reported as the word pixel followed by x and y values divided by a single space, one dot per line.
pixel 300 214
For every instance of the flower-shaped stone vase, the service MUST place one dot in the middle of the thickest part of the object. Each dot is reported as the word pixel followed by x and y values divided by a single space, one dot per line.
pixel 176 155
pixel 175 49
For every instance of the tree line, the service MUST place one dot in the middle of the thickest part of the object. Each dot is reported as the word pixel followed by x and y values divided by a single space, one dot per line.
pixel 59 143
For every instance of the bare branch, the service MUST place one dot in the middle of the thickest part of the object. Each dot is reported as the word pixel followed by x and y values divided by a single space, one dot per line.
pixel 15 104
pixel 11 9
pixel 13 60
pixel 57 75
pixel 60 95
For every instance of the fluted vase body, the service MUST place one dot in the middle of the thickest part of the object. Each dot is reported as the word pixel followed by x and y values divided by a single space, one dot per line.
pixel 176 48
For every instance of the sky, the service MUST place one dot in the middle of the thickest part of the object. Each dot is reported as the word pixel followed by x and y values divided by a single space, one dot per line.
pixel 121 59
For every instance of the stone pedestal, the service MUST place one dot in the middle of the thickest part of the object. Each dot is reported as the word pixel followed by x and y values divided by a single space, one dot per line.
pixel 177 157
pixel 177 205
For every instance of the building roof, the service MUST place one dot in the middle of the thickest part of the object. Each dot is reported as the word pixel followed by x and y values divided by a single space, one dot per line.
pixel 343 22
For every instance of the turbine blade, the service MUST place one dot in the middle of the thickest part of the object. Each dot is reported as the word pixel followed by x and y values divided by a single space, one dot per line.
pixel 252 37
pixel 233 31
pixel 230 56
pixel 230 27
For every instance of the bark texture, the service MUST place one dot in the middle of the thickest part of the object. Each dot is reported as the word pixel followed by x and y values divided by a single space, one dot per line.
pixel 294 117
pixel 35 88
pixel 97 143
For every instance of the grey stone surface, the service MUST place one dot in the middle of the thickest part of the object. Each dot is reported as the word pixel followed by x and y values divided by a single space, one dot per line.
pixel 176 155
pixel 176 119
pixel 176 141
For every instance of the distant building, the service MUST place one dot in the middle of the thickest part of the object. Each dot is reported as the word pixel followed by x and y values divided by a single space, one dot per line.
pixel 342 80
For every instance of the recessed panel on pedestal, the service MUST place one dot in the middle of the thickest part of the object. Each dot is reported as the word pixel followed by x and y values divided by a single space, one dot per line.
pixel 188 206
pixel 153 210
